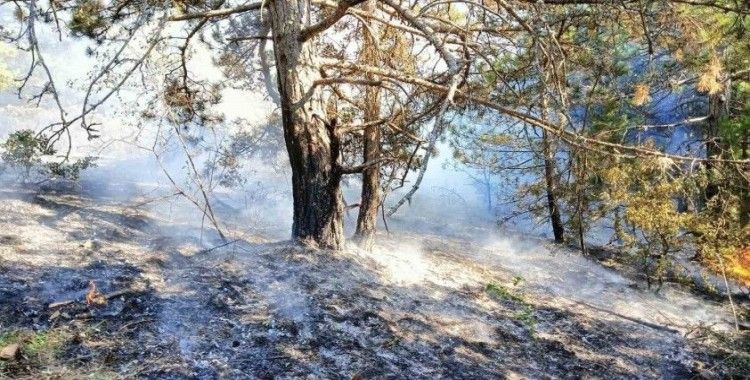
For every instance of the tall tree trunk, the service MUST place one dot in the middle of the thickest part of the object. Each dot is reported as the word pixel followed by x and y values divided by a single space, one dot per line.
pixel 311 144
pixel 371 192
pixel 550 178
pixel 745 185
pixel 487 178
pixel 711 135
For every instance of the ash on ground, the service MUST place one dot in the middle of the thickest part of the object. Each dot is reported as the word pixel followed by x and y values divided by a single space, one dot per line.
pixel 183 304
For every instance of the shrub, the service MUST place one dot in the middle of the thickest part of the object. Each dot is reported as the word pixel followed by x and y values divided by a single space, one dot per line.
pixel 28 154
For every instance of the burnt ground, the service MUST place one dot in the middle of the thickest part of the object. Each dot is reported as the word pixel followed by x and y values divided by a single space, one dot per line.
pixel 184 305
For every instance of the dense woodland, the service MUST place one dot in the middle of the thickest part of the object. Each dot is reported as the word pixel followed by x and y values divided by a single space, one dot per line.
pixel 629 118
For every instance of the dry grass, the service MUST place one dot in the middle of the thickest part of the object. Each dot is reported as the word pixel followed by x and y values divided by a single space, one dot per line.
pixel 738 266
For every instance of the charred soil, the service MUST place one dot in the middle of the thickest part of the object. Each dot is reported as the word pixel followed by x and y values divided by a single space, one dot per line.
pixel 177 309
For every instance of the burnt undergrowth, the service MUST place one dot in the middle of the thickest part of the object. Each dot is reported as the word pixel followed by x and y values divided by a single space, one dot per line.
pixel 274 310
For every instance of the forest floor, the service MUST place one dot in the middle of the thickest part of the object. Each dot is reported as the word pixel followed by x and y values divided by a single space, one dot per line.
pixel 182 304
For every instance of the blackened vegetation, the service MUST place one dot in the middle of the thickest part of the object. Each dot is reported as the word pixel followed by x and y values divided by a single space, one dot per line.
pixel 223 325
pixel 261 310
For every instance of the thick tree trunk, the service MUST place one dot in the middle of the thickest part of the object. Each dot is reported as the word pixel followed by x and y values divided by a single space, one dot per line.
pixel 550 178
pixel 371 192
pixel 313 153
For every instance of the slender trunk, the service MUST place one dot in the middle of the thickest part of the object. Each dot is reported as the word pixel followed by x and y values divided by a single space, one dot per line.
pixel 713 150
pixel 488 188
pixel 744 184
pixel 550 178
pixel 371 192
pixel 581 177
pixel 311 144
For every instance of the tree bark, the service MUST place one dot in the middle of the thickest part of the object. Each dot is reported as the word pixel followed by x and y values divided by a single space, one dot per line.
pixel 310 141
pixel 550 178
pixel 744 185
pixel 371 191
pixel 713 140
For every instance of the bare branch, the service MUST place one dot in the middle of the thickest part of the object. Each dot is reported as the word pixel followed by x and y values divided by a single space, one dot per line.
pixel 338 13
pixel 570 137
pixel 218 12
pixel 360 168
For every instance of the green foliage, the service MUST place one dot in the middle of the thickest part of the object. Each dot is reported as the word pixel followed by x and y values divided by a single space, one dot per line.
pixel 71 170
pixel 734 129
pixel 44 343
pixel 646 191
pixel 23 150
pixel 27 153
pixel 36 345
pixel 87 18
pixel 527 317
pixel 186 104
pixel 526 314
pixel 499 291
pixel 660 211
pixel 496 139
pixel 8 337
pixel 610 121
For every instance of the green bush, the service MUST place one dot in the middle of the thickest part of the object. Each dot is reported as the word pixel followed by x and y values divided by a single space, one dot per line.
pixel 25 151
pixel 88 19
pixel 22 150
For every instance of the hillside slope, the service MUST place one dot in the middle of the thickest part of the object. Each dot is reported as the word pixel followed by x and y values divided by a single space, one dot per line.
pixel 183 305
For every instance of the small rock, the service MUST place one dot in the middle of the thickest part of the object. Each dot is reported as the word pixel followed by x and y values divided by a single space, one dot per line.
pixel 9 240
pixel 9 352
pixel 91 244
pixel 117 233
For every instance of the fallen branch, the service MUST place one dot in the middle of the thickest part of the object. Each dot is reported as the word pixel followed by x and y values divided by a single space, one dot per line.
pixel 131 324
pixel 107 296
pixel 631 319
pixel 218 246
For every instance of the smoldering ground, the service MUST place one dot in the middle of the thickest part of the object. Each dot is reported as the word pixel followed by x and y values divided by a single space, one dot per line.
pixel 437 297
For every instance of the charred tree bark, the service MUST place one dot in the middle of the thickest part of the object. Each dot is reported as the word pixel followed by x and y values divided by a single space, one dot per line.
pixel 371 191
pixel 313 156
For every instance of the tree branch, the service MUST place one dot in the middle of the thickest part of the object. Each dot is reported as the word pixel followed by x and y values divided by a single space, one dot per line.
pixel 360 168
pixel 570 137
pixel 338 13
pixel 218 12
